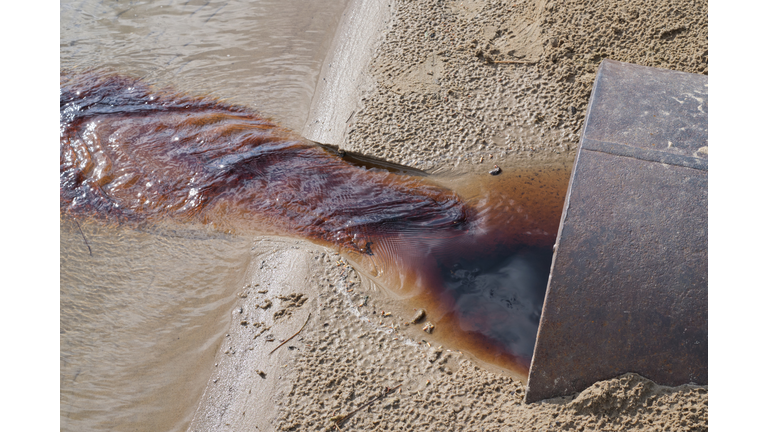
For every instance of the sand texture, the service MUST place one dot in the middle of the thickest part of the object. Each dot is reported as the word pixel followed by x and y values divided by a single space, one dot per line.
pixel 341 367
pixel 449 84
pixel 350 352
pixel 456 80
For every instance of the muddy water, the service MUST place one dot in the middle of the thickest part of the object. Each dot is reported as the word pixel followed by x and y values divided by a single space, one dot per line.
pixel 479 259
pixel 495 298
pixel 264 54
pixel 141 316
pixel 141 313
pixel 483 288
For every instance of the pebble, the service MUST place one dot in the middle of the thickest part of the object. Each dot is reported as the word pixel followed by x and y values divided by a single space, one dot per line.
pixel 420 314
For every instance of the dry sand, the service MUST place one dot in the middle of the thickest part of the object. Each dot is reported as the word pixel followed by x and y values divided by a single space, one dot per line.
pixel 448 83
pixel 443 92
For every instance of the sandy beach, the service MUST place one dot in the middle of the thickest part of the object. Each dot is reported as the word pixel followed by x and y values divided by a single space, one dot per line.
pixel 445 87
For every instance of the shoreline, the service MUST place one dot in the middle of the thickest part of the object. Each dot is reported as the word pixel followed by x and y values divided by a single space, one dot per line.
pixel 436 95
pixel 343 77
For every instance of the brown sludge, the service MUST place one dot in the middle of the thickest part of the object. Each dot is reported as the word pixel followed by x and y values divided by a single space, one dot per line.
pixel 134 154
pixel 130 153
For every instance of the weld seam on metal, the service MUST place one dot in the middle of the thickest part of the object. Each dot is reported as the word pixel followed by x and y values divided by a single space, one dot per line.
pixel 644 154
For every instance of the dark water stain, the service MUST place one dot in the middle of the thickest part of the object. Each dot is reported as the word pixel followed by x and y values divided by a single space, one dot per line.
pixel 484 290
pixel 478 259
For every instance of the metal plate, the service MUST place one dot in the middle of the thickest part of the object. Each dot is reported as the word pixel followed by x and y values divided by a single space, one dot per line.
pixel 628 286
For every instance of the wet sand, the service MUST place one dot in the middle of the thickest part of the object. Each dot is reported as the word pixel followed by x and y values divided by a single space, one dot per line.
pixel 449 84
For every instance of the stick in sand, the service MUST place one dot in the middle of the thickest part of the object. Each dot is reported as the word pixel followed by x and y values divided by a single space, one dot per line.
pixel 522 62
pixel 338 420
pixel 294 335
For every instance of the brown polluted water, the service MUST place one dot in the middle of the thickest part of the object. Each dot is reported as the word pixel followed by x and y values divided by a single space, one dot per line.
pixel 485 290
pixel 477 255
